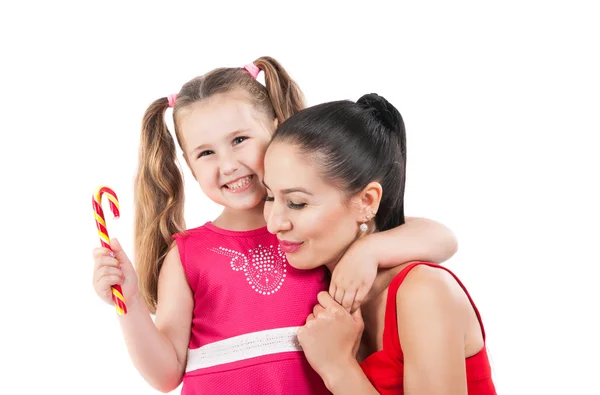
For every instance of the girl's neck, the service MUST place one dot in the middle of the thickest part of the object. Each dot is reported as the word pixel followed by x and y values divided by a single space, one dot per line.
pixel 241 220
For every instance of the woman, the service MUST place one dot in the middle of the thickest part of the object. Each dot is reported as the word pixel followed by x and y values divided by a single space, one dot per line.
pixel 334 173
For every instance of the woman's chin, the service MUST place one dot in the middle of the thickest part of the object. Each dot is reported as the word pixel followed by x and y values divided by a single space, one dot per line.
pixel 301 264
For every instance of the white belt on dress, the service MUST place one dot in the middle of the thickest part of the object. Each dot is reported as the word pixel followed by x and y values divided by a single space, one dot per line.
pixel 249 345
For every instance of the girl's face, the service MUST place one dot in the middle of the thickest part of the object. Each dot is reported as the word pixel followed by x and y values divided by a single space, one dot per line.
pixel 312 218
pixel 224 140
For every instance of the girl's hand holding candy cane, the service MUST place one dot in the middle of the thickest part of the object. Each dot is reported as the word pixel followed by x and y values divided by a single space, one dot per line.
pixel 114 267
pixel 117 292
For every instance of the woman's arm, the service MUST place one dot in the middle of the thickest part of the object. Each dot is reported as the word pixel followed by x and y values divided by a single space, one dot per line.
pixel 330 339
pixel 432 332
pixel 350 380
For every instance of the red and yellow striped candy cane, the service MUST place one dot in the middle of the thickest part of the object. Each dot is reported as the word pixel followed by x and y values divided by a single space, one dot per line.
pixel 117 292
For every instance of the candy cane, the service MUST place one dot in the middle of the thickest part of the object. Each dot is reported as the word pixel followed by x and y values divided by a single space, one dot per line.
pixel 117 292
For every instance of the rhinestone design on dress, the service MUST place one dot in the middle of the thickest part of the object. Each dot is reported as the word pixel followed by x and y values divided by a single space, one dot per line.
pixel 265 267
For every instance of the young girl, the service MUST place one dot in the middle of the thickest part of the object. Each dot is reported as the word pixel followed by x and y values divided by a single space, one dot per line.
pixel 426 335
pixel 227 304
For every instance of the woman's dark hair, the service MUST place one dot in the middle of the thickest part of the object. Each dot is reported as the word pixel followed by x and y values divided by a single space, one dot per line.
pixel 354 144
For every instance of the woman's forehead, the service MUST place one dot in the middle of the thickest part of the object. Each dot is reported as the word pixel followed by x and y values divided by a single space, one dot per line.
pixel 286 166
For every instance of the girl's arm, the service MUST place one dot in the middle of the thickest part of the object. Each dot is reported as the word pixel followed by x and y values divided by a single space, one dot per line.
pixel 430 307
pixel 419 239
pixel 159 349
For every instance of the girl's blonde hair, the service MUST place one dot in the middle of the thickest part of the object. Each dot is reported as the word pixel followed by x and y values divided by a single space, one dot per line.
pixel 159 193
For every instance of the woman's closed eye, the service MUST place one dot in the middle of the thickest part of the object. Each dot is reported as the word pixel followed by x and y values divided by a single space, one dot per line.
pixel 290 204
pixel 296 206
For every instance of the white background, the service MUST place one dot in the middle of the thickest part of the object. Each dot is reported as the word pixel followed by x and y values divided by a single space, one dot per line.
pixel 501 102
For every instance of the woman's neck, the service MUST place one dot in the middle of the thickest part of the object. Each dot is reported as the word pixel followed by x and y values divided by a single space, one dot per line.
pixel 240 220
pixel 373 313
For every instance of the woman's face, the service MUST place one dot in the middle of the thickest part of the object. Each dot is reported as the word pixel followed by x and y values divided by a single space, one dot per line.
pixel 311 216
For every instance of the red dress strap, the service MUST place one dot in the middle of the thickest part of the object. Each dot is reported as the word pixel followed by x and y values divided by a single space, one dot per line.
pixel 385 368
pixel 390 331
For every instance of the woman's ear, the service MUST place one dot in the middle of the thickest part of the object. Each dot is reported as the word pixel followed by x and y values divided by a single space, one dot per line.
pixel 367 201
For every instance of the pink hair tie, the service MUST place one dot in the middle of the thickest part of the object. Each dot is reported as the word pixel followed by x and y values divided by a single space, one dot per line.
pixel 172 99
pixel 252 69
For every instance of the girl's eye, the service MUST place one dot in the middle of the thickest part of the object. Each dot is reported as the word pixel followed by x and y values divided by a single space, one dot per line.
pixel 295 206
pixel 205 153
pixel 240 139
pixel 269 198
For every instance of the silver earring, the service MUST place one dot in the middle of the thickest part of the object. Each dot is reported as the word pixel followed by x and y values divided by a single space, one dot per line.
pixel 363 227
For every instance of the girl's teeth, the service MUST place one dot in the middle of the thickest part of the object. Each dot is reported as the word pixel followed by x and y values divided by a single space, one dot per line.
pixel 239 183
